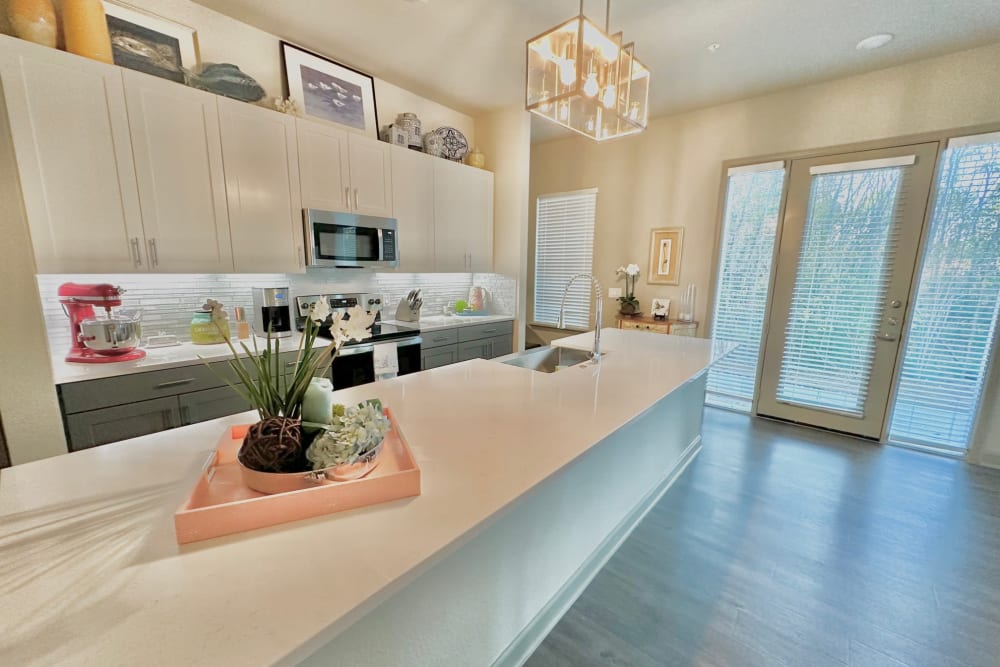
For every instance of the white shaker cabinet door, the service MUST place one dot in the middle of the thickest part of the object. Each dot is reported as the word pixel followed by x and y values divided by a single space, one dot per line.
pixel 260 156
pixel 178 162
pixel 371 176
pixel 463 215
pixel 323 166
pixel 479 185
pixel 70 134
pixel 413 207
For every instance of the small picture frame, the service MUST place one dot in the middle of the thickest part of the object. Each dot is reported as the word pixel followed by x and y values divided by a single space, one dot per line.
pixel 148 43
pixel 660 309
pixel 330 91
pixel 665 245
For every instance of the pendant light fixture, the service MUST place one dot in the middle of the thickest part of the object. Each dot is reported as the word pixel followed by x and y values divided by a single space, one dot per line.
pixel 583 78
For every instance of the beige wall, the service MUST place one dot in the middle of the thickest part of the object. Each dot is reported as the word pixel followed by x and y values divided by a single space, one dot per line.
pixel 671 174
pixel 225 40
pixel 504 136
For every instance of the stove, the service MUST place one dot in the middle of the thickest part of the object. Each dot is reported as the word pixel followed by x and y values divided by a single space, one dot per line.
pixel 340 303
pixel 356 362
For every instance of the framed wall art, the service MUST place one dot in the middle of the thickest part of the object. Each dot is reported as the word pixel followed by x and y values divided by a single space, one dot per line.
pixel 330 91
pixel 149 43
pixel 665 246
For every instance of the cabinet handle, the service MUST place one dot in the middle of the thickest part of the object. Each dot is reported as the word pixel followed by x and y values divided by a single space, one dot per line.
pixel 136 252
pixel 173 383
pixel 356 204
pixel 153 257
pixel 289 364
pixel 347 197
pixel 301 253
pixel 489 330
pixel 440 339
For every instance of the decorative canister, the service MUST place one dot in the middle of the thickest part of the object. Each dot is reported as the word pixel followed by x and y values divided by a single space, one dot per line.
pixel 476 159
pixel 204 331
pixel 86 29
pixel 317 404
pixel 409 123
pixel 34 21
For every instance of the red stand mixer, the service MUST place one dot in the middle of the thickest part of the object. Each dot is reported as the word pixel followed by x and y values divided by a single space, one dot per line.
pixel 99 340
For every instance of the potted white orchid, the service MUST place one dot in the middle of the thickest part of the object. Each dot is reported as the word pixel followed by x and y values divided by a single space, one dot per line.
pixel 275 443
pixel 628 304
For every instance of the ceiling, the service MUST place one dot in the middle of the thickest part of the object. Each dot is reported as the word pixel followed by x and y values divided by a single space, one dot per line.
pixel 469 54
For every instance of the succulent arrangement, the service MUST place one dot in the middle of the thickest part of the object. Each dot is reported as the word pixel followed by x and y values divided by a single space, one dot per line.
pixel 276 443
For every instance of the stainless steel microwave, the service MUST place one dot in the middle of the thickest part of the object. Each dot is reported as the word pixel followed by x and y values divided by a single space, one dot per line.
pixel 349 241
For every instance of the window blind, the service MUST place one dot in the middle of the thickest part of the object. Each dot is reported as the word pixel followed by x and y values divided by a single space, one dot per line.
pixel 564 247
pixel 954 318
pixel 845 264
pixel 749 227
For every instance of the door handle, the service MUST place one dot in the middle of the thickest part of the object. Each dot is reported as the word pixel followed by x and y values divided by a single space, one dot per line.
pixel 347 197
pixel 301 254
pixel 356 204
pixel 153 257
pixel 136 252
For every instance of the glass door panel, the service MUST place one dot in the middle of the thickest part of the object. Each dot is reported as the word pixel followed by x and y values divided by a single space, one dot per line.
pixel 849 244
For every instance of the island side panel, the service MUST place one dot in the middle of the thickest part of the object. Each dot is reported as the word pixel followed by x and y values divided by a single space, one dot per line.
pixel 495 598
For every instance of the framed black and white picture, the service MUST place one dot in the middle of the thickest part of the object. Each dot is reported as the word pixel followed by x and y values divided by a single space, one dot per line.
pixel 149 43
pixel 330 91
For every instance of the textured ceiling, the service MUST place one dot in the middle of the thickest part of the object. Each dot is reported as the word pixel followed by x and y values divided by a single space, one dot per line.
pixel 469 54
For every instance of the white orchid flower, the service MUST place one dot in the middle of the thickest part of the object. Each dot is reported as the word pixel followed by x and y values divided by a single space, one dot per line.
pixel 620 270
pixel 358 327
pixel 320 311
pixel 632 269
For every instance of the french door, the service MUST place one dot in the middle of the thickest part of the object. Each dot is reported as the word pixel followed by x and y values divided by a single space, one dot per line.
pixel 848 249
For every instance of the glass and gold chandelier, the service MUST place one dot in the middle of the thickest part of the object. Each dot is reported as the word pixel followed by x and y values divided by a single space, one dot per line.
pixel 583 78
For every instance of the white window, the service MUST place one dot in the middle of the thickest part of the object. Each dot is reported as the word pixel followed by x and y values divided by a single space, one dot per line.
pixel 749 228
pixel 954 318
pixel 564 247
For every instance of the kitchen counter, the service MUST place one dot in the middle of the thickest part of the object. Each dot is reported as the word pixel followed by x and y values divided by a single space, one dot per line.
pixel 187 354
pixel 436 322
pixel 93 576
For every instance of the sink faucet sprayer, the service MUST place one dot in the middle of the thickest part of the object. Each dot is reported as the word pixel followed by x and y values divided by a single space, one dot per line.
pixel 599 293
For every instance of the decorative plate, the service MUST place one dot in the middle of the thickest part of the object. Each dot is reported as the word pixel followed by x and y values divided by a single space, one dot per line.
pixel 454 145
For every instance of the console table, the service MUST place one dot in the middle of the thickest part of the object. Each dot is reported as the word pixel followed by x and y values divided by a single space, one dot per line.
pixel 672 327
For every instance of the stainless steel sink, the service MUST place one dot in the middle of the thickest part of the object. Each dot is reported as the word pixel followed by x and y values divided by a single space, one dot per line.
pixel 547 359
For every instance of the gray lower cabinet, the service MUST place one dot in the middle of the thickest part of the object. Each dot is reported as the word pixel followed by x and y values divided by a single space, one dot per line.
pixel 438 356
pixel 97 427
pixel 200 406
pixel 481 341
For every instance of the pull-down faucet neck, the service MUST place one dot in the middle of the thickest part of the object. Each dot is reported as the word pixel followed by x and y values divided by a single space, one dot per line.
pixel 598 294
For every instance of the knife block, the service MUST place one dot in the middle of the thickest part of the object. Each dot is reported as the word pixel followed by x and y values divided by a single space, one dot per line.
pixel 404 313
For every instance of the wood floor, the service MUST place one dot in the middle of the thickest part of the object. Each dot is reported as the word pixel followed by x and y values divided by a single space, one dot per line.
pixel 784 546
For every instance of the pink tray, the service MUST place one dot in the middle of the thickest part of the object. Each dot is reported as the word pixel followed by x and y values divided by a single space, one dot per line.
pixel 221 504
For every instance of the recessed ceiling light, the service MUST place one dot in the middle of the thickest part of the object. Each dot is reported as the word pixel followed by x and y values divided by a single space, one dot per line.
pixel 874 42
pixel 713 47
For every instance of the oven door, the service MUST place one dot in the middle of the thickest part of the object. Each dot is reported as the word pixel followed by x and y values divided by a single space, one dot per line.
pixel 344 240
pixel 356 363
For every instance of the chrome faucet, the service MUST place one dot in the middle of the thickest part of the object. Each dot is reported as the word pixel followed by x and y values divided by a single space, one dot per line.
pixel 599 293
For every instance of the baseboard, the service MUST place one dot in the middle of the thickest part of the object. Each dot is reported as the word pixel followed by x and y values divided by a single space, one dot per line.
pixel 529 639
pixel 988 460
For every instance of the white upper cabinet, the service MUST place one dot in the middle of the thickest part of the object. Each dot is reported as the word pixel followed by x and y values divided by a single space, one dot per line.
pixel 70 134
pixel 344 172
pixel 463 213
pixel 413 208
pixel 371 176
pixel 178 163
pixel 323 166
pixel 260 155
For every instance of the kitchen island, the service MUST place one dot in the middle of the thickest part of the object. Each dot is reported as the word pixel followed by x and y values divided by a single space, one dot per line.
pixel 530 482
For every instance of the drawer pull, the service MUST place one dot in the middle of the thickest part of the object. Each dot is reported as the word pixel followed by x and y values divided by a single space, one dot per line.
pixel 489 330
pixel 440 339
pixel 289 364
pixel 174 383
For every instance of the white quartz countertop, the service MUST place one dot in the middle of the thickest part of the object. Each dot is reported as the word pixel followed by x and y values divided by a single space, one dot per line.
pixel 92 574
pixel 187 354
pixel 436 322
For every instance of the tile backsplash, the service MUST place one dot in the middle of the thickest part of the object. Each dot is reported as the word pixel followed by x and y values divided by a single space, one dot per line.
pixel 168 300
